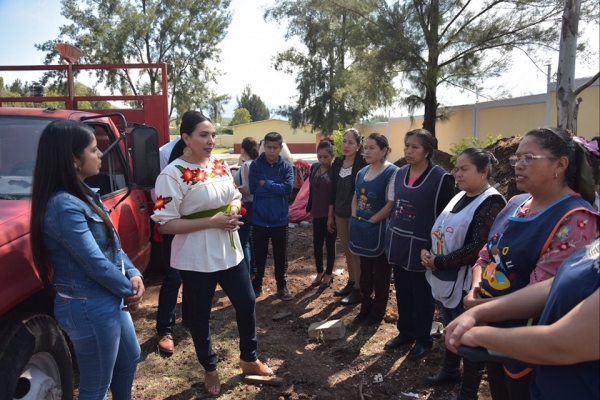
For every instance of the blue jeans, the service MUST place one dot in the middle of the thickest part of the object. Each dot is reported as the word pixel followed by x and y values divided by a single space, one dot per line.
pixel 105 344
pixel 201 286
pixel 169 290
pixel 244 233
pixel 415 305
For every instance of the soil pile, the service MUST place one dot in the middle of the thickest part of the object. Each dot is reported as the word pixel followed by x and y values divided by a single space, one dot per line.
pixel 503 173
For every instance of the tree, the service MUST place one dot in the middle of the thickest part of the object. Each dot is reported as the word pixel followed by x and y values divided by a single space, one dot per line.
pixel 565 95
pixel 182 33
pixel 434 43
pixel 254 104
pixel 215 107
pixel 334 81
pixel 240 116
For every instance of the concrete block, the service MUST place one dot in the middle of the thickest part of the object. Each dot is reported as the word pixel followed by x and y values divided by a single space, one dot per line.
pixel 328 330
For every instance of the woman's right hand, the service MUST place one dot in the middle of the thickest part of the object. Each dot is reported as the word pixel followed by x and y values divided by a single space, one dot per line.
pixel 330 224
pixel 227 222
pixel 457 328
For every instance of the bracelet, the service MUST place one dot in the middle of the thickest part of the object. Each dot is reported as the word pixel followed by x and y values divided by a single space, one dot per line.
pixel 238 211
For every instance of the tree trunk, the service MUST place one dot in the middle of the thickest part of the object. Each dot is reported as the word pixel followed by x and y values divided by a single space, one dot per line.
pixel 430 114
pixel 565 81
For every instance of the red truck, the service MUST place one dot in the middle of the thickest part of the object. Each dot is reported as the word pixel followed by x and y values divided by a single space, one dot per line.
pixel 35 362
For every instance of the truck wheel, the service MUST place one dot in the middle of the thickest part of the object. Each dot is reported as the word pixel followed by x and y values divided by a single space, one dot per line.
pixel 35 362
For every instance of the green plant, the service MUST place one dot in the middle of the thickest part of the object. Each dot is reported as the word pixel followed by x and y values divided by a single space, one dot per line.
pixel 472 141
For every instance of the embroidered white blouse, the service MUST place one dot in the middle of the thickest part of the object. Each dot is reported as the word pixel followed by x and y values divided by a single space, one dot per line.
pixel 182 189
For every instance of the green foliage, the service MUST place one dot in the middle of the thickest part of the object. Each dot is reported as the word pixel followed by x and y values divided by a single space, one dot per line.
pixel 472 141
pixel 254 104
pixel 240 116
pixel 215 107
pixel 185 34
pixel 448 43
pixel 335 83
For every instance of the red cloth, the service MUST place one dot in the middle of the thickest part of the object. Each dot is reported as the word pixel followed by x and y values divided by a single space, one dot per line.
pixel 297 212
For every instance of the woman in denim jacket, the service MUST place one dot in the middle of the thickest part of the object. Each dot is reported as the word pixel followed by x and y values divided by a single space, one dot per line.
pixel 78 253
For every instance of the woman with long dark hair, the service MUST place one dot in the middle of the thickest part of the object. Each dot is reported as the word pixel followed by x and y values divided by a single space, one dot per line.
pixel 78 253
pixel 343 177
pixel 248 154
pixel 198 202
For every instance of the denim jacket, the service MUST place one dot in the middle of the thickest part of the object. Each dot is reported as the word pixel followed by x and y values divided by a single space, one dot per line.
pixel 84 264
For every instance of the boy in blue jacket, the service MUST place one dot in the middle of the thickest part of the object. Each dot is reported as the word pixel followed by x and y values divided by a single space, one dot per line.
pixel 271 180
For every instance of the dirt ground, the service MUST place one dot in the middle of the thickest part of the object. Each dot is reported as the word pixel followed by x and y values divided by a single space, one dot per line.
pixel 343 369
pixel 340 369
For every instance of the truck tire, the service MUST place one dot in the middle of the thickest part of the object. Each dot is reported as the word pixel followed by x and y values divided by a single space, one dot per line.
pixel 35 361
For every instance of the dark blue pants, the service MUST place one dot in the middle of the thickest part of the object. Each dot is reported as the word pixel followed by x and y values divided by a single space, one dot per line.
pixel 260 247
pixel 244 232
pixel 320 235
pixel 201 286
pixel 167 297
pixel 415 305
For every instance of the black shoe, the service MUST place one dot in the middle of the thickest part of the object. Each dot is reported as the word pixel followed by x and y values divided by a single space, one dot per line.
pixel 345 291
pixel 325 285
pixel 443 377
pixel 317 280
pixel 397 342
pixel 284 294
pixel 372 321
pixel 419 351
pixel 360 318
pixel 353 298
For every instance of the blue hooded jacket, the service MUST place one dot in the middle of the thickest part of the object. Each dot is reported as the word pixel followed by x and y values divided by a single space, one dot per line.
pixel 270 207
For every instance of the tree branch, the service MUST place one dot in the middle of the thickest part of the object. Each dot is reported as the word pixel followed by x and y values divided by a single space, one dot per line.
pixel 586 85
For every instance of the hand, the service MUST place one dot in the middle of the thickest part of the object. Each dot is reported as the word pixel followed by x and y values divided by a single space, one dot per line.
pixel 227 222
pixel 473 298
pixel 132 303
pixel 330 224
pixel 428 260
pixel 237 209
pixel 457 328
pixel 261 182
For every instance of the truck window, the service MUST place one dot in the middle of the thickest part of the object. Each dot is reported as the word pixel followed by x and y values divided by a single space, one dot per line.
pixel 112 177
pixel 19 137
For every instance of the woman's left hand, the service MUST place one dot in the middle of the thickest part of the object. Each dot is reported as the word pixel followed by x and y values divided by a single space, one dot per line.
pixel 132 303
pixel 428 260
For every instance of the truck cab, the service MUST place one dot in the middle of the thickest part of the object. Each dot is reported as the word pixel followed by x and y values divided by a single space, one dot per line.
pixel 34 356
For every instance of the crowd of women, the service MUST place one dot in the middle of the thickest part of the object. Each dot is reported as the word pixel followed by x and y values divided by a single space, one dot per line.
pixel 468 250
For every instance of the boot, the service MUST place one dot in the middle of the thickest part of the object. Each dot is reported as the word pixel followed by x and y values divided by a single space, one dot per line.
pixel 353 298
pixel 471 380
pixel 345 291
pixel 450 372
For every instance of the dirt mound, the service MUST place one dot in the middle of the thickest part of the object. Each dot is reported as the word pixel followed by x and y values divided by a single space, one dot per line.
pixel 503 173
pixel 439 157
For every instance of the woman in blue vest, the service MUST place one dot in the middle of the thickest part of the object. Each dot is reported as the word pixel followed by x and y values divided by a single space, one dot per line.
pixel 528 243
pixel 564 346
pixel 370 211
pixel 420 191
pixel 456 238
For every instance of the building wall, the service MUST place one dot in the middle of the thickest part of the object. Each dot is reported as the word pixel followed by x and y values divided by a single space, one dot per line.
pixel 509 117
pixel 300 140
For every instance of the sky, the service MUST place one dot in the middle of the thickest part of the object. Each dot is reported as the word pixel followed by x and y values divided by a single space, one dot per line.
pixel 246 55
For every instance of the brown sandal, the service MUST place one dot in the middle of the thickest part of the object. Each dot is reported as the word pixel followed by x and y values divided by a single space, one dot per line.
pixel 255 368
pixel 212 384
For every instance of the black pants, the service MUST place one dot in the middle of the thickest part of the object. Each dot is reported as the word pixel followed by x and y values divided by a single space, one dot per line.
pixel 415 305
pixel 320 235
pixel 260 248
pixel 201 286
pixel 375 276
pixel 503 387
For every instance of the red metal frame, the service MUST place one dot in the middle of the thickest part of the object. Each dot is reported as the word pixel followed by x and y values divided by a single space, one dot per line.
pixel 152 113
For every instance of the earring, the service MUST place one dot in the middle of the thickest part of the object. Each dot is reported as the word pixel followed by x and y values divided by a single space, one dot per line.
pixel 555 175
pixel 187 151
pixel 78 169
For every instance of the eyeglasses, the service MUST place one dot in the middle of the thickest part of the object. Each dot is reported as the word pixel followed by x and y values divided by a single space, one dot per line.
pixel 525 159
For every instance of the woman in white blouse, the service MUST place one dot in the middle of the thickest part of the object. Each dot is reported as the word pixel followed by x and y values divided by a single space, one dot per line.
pixel 198 202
